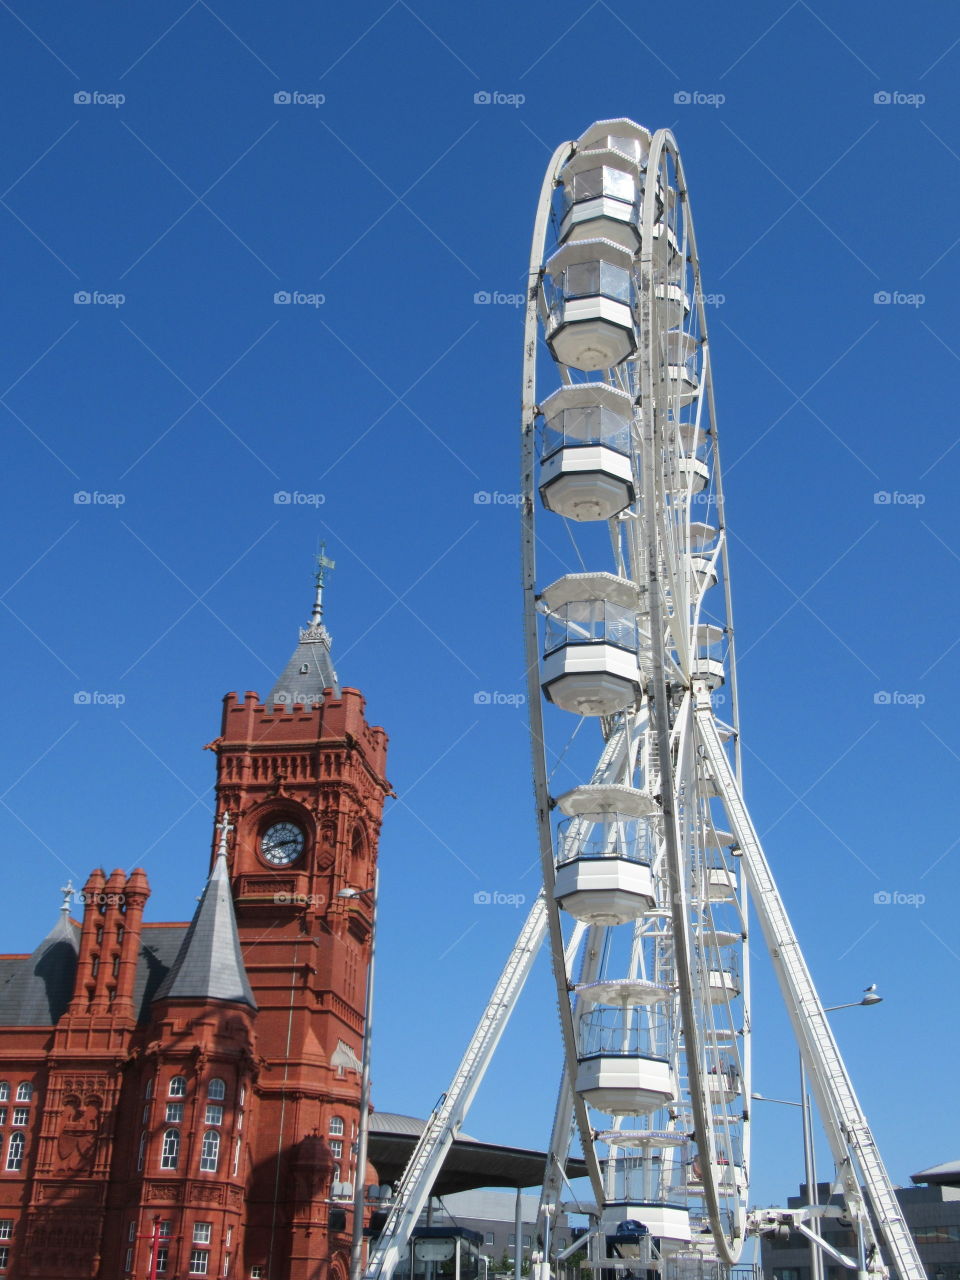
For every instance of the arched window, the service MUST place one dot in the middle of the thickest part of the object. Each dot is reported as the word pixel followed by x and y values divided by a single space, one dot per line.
pixel 216 1089
pixel 170 1155
pixel 358 842
pixel 149 1092
pixel 25 1091
pixel 178 1087
pixel 336 1124
pixel 143 1148
pixel 15 1152
pixel 210 1152
pixel 4 1091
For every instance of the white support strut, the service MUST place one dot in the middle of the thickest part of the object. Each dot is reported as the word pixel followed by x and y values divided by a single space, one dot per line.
pixel 416 1183
pixel 845 1124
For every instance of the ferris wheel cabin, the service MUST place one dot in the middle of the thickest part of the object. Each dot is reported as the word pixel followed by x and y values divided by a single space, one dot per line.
pixel 591 665
pixel 585 468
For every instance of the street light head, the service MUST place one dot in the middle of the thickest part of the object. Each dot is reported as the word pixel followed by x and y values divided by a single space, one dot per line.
pixel 349 893
pixel 871 997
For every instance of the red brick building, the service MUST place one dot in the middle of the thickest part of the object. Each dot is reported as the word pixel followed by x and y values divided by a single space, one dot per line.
pixel 187 1096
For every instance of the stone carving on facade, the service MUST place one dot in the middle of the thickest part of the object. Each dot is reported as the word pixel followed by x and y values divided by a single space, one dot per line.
pixel 79 1133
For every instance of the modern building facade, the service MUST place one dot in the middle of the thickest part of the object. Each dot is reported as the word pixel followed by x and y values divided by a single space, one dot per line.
pixel 181 1099
pixel 931 1209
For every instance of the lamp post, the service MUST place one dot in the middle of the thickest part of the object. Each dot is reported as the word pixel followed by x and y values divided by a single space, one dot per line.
pixel 869 997
pixel 363 1128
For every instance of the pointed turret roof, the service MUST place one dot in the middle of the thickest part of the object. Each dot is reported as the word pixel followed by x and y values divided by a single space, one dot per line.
pixel 209 964
pixel 38 989
pixel 310 669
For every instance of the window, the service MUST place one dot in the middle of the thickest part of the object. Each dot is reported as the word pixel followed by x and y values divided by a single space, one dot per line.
pixel 943 1234
pixel 256 1273
pixel 202 1232
pixel 213 1113
pixel 21 1116
pixel 236 1158
pixel 128 1262
pixel 25 1092
pixel 226 1264
pixel 174 1114
pixel 178 1087
pixel 199 1262
pixel 132 1232
pixel 217 1089
pixel 170 1155
pixel 526 1242
pixel 149 1092
pixel 166 1230
pixel 336 1124
pixel 488 1238
pixel 143 1149
pixel 210 1152
pixel 511 1239
pixel 15 1153
pixel 6 1228
pixel 146 1114
pixel 336 1147
pixel 4 1257
pixel 163 1254
pixel 243 1094
pixel 4 1091
pixel 3 1115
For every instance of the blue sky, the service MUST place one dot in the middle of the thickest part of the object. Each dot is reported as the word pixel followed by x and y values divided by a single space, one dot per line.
pixel 387 397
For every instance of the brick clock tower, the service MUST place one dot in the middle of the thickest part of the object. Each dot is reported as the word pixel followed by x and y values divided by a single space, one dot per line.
pixel 183 1100
pixel 302 777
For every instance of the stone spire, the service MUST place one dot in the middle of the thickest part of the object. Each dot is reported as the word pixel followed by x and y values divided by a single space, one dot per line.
pixel 209 964
pixel 310 669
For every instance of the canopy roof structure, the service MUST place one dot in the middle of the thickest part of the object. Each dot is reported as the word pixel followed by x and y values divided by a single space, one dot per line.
pixel 470 1164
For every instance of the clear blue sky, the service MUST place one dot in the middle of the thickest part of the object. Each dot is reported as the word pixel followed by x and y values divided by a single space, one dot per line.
pixel 398 199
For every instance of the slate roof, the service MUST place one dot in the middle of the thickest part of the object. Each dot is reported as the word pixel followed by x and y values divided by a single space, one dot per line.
pixel 35 990
pixel 309 671
pixel 209 963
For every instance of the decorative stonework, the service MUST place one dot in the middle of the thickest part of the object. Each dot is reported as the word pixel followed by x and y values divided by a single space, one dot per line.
pixel 169 1192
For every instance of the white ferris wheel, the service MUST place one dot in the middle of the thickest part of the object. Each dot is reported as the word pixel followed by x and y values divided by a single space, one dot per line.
pixel 652 868
pixel 621 459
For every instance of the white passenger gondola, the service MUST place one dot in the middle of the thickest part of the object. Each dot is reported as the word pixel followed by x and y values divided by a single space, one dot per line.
pixel 590 297
pixel 585 469
pixel 591 665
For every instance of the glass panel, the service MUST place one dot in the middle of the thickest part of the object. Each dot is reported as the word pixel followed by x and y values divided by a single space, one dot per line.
pixel 216 1088
pixel 614 282
pixel 619 185
pixel 632 147
pixel 588 185
pixel 625 1032
pixel 591 424
pixel 582 280
pixel 610 836
pixel 591 622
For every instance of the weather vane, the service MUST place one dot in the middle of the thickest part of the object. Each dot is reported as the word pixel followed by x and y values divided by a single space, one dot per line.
pixel 323 565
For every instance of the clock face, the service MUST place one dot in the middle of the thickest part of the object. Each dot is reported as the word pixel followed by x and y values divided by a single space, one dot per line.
pixel 281 844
